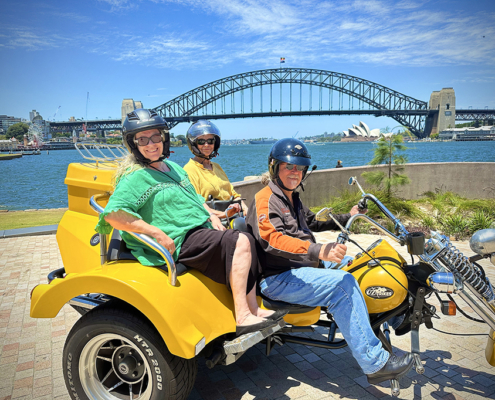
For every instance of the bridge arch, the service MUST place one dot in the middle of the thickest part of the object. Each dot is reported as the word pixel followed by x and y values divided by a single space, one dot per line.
pixel 378 99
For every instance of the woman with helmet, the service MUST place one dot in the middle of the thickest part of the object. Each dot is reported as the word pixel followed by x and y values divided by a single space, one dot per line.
pixel 153 196
pixel 298 270
pixel 207 177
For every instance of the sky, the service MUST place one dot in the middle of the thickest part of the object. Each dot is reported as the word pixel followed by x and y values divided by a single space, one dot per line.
pixel 52 53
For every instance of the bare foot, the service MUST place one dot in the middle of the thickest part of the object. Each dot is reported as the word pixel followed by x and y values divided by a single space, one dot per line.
pixel 264 313
pixel 250 319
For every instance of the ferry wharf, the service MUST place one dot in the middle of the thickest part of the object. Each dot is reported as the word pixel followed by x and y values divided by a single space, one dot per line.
pixel 31 349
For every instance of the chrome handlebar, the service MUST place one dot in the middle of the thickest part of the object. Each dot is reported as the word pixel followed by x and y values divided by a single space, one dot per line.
pixel 145 239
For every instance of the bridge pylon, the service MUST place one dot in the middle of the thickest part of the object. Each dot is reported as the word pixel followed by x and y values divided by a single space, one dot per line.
pixel 444 102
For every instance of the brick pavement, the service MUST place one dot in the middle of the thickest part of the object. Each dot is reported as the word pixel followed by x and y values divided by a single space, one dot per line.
pixel 30 349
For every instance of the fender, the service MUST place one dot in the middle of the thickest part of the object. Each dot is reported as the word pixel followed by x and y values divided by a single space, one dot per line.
pixel 196 308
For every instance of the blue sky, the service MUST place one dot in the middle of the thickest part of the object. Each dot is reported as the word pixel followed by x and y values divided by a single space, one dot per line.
pixel 53 52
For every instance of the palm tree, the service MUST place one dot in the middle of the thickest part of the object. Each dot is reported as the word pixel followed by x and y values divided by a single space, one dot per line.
pixel 386 152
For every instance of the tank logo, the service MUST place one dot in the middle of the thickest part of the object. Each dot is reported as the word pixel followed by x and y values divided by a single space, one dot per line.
pixel 379 292
pixel 261 218
pixel 95 239
pixel 298 146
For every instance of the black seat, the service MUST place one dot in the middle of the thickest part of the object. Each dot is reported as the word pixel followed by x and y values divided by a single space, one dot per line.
pixel 276 305
pixel 220 205
pixel 118 251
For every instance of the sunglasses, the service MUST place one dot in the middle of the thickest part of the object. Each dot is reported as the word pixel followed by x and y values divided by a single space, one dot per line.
pixel 290 167
pixel 143 140
pixel 201 142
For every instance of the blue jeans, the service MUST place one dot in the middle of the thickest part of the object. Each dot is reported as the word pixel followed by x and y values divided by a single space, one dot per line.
pixel 339 291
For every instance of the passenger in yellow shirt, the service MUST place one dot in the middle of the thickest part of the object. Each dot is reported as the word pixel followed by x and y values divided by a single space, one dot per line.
pixel 207 177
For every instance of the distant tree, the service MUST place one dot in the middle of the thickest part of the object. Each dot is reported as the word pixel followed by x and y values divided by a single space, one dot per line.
pixel 182 138
pixel 18 130
pixel 114 141
pixel 386 152
pixel 3 137
pixel 434 135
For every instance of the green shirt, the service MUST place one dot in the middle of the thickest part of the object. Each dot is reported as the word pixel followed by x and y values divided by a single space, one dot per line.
pixel 165 200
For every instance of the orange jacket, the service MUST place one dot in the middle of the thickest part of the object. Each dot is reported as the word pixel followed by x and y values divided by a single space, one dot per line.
pixel 285 231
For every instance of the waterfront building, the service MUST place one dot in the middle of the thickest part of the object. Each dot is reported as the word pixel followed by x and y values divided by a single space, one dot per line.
pixel 33 114
pixel 7 121
pixel 468 134
pixel 9 144
pixel 361 133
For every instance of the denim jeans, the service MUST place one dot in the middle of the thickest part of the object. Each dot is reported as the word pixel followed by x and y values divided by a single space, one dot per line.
pixel 339 291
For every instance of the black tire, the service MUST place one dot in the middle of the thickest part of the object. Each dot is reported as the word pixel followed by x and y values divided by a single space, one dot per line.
pixel 110 346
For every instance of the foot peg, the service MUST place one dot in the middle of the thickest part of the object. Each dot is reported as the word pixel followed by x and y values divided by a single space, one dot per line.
pixel 394 387
pixel 417 364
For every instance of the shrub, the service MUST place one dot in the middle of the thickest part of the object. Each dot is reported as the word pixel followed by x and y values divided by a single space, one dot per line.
pixel 455 225
pixel 480 220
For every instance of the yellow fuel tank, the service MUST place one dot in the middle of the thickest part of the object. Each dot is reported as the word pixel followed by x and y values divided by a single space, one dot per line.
pixel 383 287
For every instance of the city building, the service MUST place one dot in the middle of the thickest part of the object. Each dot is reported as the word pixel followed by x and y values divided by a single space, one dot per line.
pixel 9 144
pixel 468 134
pixel 33 114
pixel 6 122
pixel 361 133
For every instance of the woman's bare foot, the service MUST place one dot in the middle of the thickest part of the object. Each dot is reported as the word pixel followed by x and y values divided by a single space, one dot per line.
pixel 264 313
pixel 249 319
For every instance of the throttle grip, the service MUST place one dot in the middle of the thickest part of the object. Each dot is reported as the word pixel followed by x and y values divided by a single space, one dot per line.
pixel 342 238
pixel 362 204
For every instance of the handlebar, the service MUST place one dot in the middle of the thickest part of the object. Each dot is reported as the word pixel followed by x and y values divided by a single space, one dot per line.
pixel 145 239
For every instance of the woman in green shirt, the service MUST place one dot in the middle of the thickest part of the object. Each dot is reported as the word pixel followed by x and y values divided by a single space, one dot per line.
pixel 154 196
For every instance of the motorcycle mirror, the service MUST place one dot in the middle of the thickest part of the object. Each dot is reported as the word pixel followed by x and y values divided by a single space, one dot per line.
pixel 483 242
pixel 353 181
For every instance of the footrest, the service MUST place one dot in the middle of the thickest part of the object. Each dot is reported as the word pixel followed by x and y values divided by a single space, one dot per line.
pixel 244 342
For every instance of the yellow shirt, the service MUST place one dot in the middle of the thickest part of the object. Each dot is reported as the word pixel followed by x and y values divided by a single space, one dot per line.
pixel 208 182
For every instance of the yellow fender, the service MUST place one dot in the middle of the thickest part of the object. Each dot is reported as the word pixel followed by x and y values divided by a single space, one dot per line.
pixel 196 308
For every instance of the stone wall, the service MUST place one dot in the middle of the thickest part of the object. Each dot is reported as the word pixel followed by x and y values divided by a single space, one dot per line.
pixel 472 180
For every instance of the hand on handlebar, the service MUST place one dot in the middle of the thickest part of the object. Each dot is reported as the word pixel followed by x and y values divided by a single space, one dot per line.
pixel 233 209
pixel 332 252
pixel 356 210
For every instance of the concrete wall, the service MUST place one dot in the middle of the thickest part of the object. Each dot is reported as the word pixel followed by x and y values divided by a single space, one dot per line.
pixel 471 180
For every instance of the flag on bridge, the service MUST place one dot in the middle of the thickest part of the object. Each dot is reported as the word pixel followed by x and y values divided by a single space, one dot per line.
pixel 282 60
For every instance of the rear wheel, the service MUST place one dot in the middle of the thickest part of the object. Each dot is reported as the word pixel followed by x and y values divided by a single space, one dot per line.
pixel 113 354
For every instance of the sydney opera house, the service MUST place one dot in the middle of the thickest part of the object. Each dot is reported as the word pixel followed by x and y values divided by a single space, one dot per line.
pixel 361 133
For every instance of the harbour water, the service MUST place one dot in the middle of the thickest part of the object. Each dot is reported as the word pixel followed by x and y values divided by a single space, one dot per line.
pixel 37 181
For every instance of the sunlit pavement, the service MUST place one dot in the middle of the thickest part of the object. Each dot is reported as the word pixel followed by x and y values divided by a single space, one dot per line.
pixel 31 349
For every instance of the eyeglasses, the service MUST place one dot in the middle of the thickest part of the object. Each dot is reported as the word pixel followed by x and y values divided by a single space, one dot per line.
pixel 201 142
pixel 144 140
pixel 290 167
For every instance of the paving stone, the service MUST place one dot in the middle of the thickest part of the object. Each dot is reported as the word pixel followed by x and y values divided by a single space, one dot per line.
pixel 31 364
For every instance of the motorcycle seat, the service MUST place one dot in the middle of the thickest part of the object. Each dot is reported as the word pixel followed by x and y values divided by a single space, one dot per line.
pixel 275 305
pixel 118 251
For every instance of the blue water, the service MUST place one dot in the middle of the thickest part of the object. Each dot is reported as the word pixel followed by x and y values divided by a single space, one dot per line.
pixel 38 181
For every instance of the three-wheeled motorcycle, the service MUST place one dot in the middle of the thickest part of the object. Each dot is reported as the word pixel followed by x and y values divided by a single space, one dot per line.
pixel 143 329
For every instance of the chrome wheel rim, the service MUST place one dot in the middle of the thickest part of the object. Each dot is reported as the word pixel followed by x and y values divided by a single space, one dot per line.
pixel 112 367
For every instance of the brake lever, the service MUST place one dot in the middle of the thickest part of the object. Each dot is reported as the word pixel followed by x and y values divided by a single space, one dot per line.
pixel 324 214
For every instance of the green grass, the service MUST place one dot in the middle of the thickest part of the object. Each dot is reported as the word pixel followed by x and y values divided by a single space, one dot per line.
pixel 27 219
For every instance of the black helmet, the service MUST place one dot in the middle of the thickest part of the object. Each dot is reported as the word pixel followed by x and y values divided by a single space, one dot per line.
pixel 142 120
pixel 288 150
pixel 200 128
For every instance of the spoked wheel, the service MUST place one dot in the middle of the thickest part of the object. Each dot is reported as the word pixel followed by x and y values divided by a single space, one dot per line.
pixel 110 366
pixel 112 354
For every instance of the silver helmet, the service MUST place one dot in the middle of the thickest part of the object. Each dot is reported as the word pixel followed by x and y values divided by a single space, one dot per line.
pixel 200 128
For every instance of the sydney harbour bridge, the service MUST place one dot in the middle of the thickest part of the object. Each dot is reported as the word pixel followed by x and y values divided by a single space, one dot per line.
pixel 303 91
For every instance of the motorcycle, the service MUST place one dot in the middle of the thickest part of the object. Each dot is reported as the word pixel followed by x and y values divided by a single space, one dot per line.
pixel 142 329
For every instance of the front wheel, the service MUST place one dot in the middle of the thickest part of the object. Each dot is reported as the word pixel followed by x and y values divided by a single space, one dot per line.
pixel 113 354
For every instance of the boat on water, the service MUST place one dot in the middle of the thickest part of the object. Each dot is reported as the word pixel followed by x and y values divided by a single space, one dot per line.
pixel 263 141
